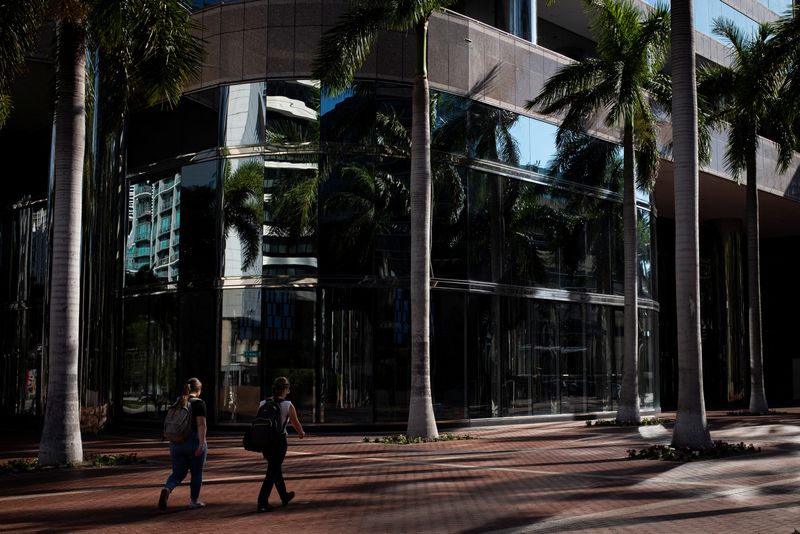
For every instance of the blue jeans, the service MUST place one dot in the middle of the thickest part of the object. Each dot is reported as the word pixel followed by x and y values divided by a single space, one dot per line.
pixel 183 461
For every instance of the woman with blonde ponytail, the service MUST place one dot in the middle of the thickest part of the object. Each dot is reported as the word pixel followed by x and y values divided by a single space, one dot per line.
pixel 189 456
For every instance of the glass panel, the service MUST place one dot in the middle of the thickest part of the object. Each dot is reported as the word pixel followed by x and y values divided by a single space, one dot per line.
pixel 528 242
pixel 392 354
pixel 483 392
pixel 240 352
pixel 350 117
pixel 546 359
pixel 347 385
pixel 155 133
pixel 575 387
pixel 521 381
pixel 198 235
pixel 648 322
pixel 447 355
pixel 599 356
pixel 288 344
pixel 449 223
pixel 244 120
pixel 292 114
pixel 485 226
pixel 152 244
pixel 588 161
pixel 645 267
pixel 149 356
pixel 243 213
pixel 389 224
pixel 449 123
pixel 348 218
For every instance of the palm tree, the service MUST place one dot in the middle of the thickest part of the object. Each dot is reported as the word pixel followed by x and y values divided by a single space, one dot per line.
pixel 148 44
pixel 631 50
pixel 751 97
pixel 691 428
pixel 342 51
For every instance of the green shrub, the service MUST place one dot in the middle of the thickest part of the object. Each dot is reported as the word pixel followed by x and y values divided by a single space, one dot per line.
pixel 719 449
pixel 748 412
pixel 20 465
pixel 613 422
pixel 402 439
pixel 114 459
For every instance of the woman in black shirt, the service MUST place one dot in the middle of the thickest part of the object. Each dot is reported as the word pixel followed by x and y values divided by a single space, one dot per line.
pixel 189 456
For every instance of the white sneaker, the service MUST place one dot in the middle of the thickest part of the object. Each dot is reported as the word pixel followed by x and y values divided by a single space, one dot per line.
pixel 197 504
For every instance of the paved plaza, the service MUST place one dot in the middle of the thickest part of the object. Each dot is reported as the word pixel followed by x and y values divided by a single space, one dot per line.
pixel 544 477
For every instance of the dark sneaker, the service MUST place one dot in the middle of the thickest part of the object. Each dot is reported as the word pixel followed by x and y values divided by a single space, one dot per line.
pixel 162 500
pixel 266 508
pixel 289 497
pixel 197 504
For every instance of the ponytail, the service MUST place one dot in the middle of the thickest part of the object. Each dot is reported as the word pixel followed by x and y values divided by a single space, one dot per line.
pixel 192 385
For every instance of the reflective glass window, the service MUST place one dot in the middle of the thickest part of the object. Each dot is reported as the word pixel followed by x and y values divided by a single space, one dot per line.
pixel 648 323
pixel 392 375
pixel 644 263
pixel 485 227
pixel 240 354
pixel 155 134
pixel 243 215
pixel 288 343
pixel 292 114
pixel 153 237
pixel 199 231
pixel 528 252
pixel 149 356
pixel 346 388
pixel 781 7
pixel 244 113
pixel 348 220
pixel 447 355
pixel 483 395
pixel 291 190
pixel 449 222
pixel 450 123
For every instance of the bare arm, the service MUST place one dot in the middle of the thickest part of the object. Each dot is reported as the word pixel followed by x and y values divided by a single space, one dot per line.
pixel 296 422
pixel 201 434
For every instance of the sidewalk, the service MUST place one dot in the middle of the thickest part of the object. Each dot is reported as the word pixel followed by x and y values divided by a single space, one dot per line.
pixel 547 477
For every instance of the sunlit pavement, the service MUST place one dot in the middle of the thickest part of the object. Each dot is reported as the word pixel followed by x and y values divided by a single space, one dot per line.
pixel 547 477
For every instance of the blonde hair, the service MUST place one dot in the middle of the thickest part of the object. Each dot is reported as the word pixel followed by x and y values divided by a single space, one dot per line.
pixel 192 385
pixel 280 385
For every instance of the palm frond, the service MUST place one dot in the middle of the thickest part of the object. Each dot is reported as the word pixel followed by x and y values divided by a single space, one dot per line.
pixel 345 46
pixel 165 52
pixel 19 24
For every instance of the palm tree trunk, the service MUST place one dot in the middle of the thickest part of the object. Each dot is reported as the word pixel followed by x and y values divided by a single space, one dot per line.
pixel 61 435
pixel 758 399
pixel 628 410
pixel 691 428
pixel 421 421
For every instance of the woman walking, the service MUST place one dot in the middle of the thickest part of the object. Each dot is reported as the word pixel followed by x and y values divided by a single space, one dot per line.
pixel 277 452
pixel 190 455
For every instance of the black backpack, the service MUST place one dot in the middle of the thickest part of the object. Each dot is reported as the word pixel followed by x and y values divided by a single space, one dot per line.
pixel 266 429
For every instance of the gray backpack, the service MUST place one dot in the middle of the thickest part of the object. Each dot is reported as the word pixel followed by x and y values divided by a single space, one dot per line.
pixel 178 422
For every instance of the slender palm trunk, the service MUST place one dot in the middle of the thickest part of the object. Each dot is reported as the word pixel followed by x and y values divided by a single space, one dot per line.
pixel 628 410
pixel 758 399
pixel 61 436
pixel 421 421
pixel 691 428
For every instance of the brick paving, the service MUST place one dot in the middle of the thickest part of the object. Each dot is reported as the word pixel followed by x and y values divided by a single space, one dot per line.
pixel 543 477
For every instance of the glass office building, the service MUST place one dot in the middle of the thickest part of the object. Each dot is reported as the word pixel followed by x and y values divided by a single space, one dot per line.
pixel 261 229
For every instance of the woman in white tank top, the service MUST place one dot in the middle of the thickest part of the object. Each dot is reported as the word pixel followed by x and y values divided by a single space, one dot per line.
pixel 275 455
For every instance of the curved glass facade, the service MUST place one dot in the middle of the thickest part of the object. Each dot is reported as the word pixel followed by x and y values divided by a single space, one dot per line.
pixel 268 234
